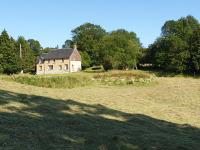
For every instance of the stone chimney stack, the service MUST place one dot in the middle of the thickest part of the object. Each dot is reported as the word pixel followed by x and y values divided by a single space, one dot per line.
pixel 75 47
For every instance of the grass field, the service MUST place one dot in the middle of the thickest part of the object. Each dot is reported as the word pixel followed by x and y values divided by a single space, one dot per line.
pixel 160 116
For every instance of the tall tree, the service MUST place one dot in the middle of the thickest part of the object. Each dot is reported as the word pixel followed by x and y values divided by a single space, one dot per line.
pixel 35 46
pixel 28 58
pixel 87 37
pixel 172 54
pixel 195 51
pixel 177 48
pixel 9 61
pixel 119 50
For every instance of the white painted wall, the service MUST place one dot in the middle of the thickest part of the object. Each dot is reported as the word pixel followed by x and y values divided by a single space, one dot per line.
pixel 75 66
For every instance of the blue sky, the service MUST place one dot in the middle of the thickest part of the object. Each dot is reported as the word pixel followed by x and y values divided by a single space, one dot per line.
pixel 51 21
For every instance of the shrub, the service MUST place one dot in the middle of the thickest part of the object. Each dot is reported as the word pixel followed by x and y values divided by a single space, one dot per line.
pixel 123 77
pixel 95 69
pixel 67 81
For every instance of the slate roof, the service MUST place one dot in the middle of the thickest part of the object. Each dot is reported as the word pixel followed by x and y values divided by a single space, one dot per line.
pixel 58 54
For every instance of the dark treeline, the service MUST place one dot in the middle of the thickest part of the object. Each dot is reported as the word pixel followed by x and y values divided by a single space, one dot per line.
pixel 177 49
pixel 11 61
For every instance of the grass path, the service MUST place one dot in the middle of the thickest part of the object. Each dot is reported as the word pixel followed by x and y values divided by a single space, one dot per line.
pixel 161 116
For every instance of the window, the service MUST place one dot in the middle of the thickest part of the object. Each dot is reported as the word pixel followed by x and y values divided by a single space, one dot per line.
pixel 60 67
pixel 40 68
pixel 63 60
pixel 50 67
pixel 72 67
pixel 54 61
pixel 66 67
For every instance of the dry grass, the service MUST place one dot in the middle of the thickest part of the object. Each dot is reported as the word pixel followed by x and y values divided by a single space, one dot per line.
pixel 136 78
pixel 162 116
pixel 123 74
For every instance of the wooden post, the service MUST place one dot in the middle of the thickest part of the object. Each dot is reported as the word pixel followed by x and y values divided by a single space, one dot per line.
pixel 20 55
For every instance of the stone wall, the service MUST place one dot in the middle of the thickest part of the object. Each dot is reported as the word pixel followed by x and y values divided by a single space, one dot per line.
pixel 53 67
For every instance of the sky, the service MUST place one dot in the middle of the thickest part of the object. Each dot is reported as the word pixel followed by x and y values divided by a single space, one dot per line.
pixel 51 21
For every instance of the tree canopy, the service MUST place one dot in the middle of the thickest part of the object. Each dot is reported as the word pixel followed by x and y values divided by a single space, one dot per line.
pixel 118 49
pixel 195 51
pixel 178 47
pixel 35 46
pixel 87 37
pixel 10 61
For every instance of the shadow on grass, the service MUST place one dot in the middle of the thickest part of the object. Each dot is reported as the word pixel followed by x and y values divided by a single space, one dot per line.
pixel 29 122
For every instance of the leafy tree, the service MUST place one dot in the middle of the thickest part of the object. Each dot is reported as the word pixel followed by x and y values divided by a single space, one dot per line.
pixel 171 53
pixel 143 56
pixel 119 50
pixel 86 61
pixel 182 28
pixel 35 46
pixel 195 51
pixel 28 58
pixel 87 37
pixel 177 48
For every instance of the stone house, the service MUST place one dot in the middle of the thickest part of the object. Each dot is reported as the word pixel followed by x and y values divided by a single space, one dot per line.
pixel 59 61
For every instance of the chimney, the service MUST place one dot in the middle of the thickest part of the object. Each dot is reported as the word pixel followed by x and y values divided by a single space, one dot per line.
pixel 75 47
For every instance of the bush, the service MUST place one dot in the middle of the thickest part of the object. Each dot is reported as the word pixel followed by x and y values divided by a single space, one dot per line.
pixel 95 69
pixel 84 79
pixel 68 81
pixel 123 77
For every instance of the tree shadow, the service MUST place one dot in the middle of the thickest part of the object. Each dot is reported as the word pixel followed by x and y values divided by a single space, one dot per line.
pixel 30 122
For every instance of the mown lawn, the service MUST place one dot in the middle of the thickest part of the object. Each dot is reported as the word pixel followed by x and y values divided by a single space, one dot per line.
pixel 160 116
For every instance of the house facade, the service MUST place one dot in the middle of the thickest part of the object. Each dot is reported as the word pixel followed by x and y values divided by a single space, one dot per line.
pixel 59 61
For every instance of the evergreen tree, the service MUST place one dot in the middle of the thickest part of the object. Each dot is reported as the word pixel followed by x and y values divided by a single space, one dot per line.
pixel 9 61
pixel 195 51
